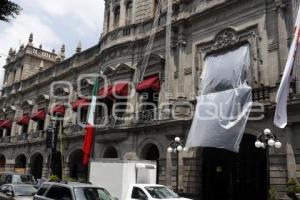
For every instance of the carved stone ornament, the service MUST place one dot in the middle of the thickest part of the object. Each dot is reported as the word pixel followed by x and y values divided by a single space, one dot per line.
pixel 225 38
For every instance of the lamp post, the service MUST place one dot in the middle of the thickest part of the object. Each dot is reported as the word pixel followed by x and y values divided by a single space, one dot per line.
pixel 266 140
pixel 176 146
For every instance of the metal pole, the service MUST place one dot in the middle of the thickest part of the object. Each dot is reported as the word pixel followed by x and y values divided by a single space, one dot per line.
pixel 177 178
pixel 268 171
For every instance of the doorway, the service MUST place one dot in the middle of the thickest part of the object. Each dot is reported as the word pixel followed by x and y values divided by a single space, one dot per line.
pixel 230 176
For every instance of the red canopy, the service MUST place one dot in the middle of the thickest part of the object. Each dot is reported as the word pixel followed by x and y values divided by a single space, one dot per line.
pixel 81 102
pixel 24 120
pixel 151 82
pixel 6 124
pixel 59 109
pixel 113 91
pixel 119 89
pixel 103 92
pixel 40 115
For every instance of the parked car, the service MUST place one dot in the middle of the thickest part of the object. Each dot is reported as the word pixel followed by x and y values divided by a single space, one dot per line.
pixel 17 192
pixel 12 178
pixel 71 191
pixel 151 192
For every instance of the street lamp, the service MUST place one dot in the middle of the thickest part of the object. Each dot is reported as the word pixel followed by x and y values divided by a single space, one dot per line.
pixel 176 146
pixel 266 140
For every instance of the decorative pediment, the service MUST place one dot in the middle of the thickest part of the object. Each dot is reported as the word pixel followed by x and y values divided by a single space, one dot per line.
pixel 154 57
pixel 108 71
pixel 225 38
pixel 2 110
pixel 11 108
pixel 61 91
pixel 26 103
pixel 42 97
pixel 124 68
pixel 86 82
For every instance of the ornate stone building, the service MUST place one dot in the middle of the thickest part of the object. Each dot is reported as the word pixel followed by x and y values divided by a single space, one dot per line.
pixel 199 28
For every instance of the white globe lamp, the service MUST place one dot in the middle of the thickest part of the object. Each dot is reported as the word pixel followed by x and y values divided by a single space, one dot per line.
pixel 267 131
pixel 271 142
pixel 177 139
pixel 170 149
pixel 179 148
pixel 278 145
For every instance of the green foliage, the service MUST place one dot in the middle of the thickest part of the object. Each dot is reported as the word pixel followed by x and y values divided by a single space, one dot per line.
pixel 54 178
pixel 293 187
pixel 8 10
pixel 273 194
pixel 69 179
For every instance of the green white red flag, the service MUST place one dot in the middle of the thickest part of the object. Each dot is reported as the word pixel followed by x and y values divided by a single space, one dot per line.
pixel 89 129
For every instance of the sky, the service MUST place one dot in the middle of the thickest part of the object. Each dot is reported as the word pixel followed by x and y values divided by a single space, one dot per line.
pixel 53 23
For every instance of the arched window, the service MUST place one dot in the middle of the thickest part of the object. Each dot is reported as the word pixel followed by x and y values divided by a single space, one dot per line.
pixel 116 16
pixel 110 152
pixel 129 13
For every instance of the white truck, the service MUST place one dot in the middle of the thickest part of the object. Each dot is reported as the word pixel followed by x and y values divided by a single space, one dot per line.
pixel 129 180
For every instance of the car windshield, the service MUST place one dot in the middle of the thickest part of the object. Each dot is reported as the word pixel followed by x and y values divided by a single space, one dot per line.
pixel 86 193
pixel 159 192
pixel 25 190
pixel 23 179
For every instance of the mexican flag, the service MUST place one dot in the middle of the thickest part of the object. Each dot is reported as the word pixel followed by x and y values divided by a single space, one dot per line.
pixel 89 129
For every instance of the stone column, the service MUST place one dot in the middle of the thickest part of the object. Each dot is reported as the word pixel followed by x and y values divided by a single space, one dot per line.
pixel 181 63
pixel 66 170
pixel 122 21
pixel 111 21
pixel 290 156
pixel 10 165
pixel 169 169
pixel 282 37
pixel 45 171
pixel 28 169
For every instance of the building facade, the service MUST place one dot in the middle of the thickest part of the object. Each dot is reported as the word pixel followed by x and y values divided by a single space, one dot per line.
pixel 39 83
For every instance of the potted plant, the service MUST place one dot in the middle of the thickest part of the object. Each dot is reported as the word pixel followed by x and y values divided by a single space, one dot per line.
pixel 272 194
pixel 293 189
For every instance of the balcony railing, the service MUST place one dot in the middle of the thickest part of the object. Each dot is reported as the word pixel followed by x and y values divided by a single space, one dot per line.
pixel 23 138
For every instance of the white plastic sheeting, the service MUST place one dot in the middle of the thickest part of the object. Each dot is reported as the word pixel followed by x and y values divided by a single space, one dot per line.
pixel 223 107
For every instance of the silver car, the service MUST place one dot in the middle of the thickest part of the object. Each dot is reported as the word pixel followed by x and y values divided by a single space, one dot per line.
pixel 17 192
pixel 71 191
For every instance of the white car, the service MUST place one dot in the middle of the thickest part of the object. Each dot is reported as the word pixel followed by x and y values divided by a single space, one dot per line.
pixel 151 192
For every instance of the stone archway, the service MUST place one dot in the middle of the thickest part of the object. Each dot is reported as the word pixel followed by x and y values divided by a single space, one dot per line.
pixel 151 152
pixel 77 170
pixel 20 163
pixel 110 152
pixel 36 165
pixel 2 162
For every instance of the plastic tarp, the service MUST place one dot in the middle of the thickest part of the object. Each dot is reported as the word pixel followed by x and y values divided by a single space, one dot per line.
pixel 224 103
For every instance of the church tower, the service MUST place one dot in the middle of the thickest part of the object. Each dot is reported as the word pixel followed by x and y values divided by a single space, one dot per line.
pixel 28 61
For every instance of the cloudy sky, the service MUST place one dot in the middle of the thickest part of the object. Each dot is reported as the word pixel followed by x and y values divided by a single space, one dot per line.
pixel 53 23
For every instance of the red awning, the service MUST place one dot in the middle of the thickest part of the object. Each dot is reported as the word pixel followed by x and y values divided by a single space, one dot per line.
pixel 6 124
pixel 151 82
pixel 103 92
pixel 81 102
pixel 59 109
pixel 119 89
pixel 24 120
pixel 40 115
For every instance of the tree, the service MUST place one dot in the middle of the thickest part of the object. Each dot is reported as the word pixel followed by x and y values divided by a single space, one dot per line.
pixel 8 10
